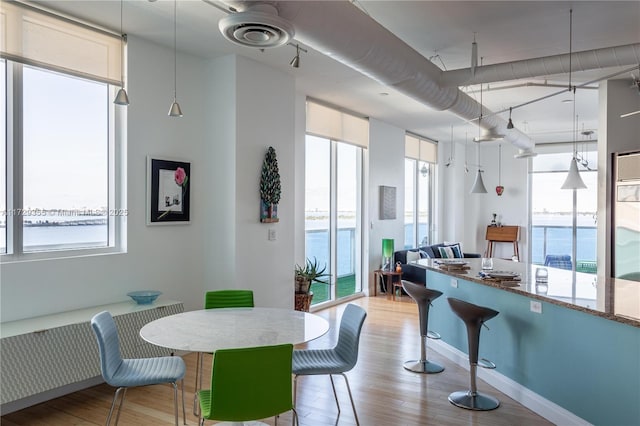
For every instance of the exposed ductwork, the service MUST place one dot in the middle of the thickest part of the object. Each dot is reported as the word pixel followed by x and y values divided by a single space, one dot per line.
pixel 557 64
pixel 340 30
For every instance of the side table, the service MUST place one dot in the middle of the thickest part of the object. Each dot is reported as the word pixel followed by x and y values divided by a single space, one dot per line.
pixel 378 275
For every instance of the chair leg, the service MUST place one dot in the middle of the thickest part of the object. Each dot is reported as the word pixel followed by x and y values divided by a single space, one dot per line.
pixel 335 395
pixel 295 392
pixel 184 413
pixel 351 398
pixel 175 401
pixel 295 417
pixel 196 407
pixel 124 391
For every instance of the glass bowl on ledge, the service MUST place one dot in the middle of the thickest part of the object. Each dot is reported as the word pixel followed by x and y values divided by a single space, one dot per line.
pixel 144 297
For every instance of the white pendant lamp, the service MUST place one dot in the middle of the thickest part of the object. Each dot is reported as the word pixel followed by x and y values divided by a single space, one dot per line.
pixel 175 110
pixel 573 180
pixel 121 97
pixel 478 186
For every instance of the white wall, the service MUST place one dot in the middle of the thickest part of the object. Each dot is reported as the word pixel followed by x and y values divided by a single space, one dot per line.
pixel 166 258
pixel 512 207
pixel 386 167
pixel 265 117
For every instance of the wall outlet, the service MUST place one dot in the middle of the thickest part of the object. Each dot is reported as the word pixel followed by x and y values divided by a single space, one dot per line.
pixel 272 234
pixel 536 306
pixel 454 283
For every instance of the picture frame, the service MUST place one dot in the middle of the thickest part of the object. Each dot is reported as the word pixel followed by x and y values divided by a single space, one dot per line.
pixel 387 202
pixel 168 191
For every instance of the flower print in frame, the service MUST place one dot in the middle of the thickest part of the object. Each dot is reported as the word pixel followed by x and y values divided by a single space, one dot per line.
pixel 168 191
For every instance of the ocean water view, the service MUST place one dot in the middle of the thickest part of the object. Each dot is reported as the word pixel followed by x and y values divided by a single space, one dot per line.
pixel 549 238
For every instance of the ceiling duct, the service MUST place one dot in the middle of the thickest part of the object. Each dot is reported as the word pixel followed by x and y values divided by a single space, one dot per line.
pixel 258 26
pixel 557 64
pixel 341 31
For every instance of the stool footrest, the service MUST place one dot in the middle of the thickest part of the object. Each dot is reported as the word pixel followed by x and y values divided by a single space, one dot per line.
pixel 485 363
pixel 433 335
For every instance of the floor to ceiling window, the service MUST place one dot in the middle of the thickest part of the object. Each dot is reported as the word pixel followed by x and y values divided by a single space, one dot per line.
pixel 420 158
pixel 334 151
pixel 563 222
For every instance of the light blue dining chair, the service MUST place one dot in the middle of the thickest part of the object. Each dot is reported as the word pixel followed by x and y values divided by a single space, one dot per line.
pixel 337 360
pixel 125 373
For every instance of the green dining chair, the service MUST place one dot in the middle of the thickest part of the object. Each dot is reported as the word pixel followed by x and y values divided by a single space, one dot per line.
pixel 249 384
pixel 217 299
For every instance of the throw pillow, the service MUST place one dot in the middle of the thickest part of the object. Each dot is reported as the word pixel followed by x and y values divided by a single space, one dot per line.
pixel 412 256
pixel 423 254
pixel 450 252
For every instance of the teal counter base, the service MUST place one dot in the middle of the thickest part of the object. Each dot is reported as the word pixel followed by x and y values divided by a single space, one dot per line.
pixel 584 364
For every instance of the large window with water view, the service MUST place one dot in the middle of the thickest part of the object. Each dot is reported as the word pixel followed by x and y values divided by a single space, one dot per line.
pixel 420 156
pixel 564 222
pixel 333 215
pixel 333 199
pixel 58 189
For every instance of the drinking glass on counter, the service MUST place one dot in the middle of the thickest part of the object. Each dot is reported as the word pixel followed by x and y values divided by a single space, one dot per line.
pixel 487 263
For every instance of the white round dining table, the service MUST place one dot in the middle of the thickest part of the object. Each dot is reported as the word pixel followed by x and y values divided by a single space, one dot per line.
pixel 209 330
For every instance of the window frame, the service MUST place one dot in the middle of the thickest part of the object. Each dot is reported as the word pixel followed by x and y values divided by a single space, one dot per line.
pixel 116 166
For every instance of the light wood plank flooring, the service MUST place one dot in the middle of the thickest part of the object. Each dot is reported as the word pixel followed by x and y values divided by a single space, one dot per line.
pixel 384 392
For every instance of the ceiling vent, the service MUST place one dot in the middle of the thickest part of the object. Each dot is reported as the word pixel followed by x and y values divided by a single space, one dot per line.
pixel 259 26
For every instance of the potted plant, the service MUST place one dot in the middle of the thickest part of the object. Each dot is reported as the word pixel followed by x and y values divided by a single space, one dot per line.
pixel 308 274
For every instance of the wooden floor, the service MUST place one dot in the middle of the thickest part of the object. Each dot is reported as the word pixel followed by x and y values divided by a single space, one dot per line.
pixel 384 392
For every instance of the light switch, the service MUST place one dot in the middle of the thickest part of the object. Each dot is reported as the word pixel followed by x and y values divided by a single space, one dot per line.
pixel 272 234
pixel 536 306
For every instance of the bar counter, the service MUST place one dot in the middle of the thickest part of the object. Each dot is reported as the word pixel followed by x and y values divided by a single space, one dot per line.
pixel 576 291
pixel 557 349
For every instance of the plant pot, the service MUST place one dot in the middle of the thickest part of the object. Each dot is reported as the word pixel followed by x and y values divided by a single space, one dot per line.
pixel 302 301
pixel 303 285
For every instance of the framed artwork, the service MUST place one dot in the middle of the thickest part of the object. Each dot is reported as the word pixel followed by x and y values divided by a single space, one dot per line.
pixel 168 191
pixel 387 202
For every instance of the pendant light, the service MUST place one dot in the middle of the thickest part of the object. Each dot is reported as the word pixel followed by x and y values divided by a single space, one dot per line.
pixel 573 180
pixel 175 110
pixel 121 97
pixel 499 188
pixel 424 170
pixel 478 186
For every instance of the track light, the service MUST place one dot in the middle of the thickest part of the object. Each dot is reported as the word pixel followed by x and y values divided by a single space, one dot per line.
pixel 510 124
pixel 295 62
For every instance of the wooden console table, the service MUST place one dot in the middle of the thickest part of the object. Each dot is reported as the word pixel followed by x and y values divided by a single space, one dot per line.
pixel 503 234
pixel 378 276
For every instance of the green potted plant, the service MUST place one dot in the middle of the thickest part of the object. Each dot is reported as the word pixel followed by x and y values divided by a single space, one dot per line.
pixel 308 274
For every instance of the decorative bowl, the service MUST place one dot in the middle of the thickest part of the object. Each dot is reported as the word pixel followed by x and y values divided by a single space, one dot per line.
pixel 144 297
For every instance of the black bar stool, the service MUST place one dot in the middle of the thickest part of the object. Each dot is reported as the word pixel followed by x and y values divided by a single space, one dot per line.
pixel 473 317
pixel 423 297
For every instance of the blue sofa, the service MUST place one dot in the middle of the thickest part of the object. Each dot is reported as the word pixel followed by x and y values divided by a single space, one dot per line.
pixel 414 273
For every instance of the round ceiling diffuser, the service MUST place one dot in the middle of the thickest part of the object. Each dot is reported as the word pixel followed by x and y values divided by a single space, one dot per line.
pixel 259 26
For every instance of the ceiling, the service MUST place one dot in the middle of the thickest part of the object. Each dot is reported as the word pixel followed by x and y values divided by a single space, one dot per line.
pixel 441 31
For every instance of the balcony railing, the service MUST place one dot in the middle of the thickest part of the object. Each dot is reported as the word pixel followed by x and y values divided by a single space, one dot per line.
pixel 553 239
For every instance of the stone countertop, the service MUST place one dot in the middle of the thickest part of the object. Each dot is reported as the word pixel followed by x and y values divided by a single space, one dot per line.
pixel 577 291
